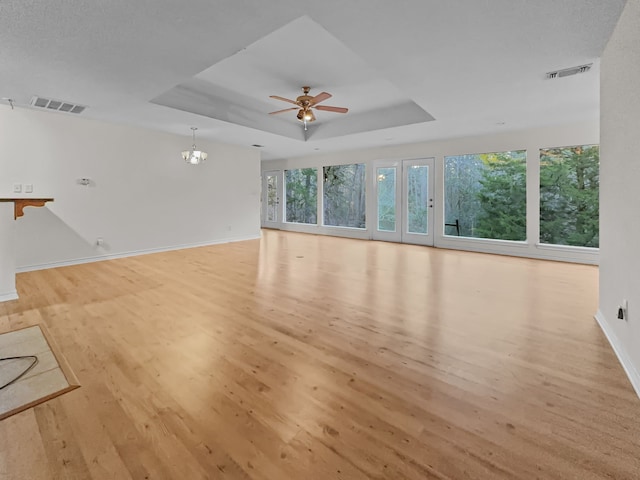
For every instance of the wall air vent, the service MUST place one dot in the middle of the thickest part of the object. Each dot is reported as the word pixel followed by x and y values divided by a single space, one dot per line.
pixel 569 71
pixel 57 105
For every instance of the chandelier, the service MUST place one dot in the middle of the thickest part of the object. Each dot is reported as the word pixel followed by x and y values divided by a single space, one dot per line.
pixel 194 156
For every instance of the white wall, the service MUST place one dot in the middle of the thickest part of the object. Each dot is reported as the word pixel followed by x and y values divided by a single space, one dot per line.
pixel 142 196
pixel 619 184
pixel 7 262
pixel 531 140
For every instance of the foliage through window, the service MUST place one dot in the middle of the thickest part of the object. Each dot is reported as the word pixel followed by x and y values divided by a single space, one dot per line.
pixel 485 195
pixel 272 198
pixel 417 198
pixel 386 199
pixel 569 189
pixel 344 195
pixel 302 195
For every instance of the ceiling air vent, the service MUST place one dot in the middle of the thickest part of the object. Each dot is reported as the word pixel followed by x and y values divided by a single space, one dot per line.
pixel 569 71
pixel 57 105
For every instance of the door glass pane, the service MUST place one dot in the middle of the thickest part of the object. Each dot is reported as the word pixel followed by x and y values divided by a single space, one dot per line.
pixel 344 195
pixel 302 195
pixel 569 189
pixel 272 198
pixel 417 199
pixel 386 177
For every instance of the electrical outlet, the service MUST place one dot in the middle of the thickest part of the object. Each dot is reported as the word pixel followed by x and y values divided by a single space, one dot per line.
pixel 623 310
pixel 17 188
pixel 28 188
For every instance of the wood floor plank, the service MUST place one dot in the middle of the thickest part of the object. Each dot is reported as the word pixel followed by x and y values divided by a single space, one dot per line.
pixel 22 451
pixel 300 356
pixel 63 453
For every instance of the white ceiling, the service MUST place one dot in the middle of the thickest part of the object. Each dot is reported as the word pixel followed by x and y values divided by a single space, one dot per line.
pixel 410 70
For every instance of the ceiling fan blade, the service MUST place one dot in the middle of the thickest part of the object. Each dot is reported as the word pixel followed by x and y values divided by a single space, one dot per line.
pixel 282 111
pixel 331 109
pixel 283 99
pixel 321 97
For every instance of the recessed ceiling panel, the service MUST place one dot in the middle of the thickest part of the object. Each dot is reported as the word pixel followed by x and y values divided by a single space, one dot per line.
pixel 237 89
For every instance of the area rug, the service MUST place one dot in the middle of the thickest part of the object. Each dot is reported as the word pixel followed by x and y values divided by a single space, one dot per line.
pixel 32 371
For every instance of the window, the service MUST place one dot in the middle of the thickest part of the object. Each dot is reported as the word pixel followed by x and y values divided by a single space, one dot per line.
pixel 302 195
pixel 417 203
pixel 387 199
pixel 569 185
pixel 485 195
pixel 344 195
pixel 272 198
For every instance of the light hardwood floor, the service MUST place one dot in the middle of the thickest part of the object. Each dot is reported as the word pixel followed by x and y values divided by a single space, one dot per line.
pixel 310 357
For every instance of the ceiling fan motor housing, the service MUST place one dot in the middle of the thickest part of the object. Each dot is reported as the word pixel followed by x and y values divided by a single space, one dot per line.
pixel 304 100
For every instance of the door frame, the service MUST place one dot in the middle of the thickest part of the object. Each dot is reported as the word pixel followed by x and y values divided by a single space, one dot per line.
pixel 401 235
pixel 277 223
pixel 376 234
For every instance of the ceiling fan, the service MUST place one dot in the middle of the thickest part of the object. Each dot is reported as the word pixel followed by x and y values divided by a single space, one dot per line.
pixel 305 103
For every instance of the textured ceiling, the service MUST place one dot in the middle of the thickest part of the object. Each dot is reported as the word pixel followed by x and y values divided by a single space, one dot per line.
pixel 166 64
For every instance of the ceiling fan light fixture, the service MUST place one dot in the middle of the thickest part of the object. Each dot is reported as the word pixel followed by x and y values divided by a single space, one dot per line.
pixel 194 156
pixel 305 115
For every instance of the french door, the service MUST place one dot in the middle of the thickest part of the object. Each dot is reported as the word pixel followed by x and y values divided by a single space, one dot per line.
pixel 404 201
pixel 271 194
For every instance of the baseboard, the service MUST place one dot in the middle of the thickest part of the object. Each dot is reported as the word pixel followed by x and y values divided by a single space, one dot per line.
pixel 134 253
pixel 621 353
pixel 5 297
